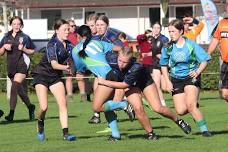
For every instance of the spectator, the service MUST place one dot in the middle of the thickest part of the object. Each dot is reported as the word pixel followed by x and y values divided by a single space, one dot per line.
pixel 18 46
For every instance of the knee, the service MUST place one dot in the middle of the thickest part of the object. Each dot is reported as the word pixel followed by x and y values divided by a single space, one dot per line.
pixel 225 96
pixel 181 111
pixel 191 107
pixel 139 111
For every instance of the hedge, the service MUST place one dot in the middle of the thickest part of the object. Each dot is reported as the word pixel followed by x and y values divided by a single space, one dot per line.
pixel 210 77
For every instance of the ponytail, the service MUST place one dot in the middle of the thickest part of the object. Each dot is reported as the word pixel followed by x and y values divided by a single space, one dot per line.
pixel 82 52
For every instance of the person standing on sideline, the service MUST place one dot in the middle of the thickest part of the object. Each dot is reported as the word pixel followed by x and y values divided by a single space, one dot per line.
pixel 220 36
pixel 186 61
pixel 18 46
pixel 47 76
pixel 158 41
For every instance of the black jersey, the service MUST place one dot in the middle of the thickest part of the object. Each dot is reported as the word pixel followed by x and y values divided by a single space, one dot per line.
pixel 55 50
pixel 16 59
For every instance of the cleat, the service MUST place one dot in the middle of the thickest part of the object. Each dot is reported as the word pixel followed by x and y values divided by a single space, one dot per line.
pixel 152 136
pixel 184 126
pixel 130 112
pixel 106 130
pixel 111 138
pixel 9 118
pixel 69 137
pixel 31 112
pixel 94 120
pixel 1 113
pixel 41 136
pixel 206 134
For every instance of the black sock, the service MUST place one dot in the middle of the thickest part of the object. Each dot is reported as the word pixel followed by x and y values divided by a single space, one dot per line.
pixel 11 113
pixel 65 131
pixel 40 126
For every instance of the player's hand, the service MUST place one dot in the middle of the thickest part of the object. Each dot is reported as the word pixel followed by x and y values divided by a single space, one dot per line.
pixel 8 47
pixel 193 74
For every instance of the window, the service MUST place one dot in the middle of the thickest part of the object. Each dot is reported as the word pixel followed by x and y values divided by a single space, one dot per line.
pixel 154 14
pixel 181 11
pixel 52 16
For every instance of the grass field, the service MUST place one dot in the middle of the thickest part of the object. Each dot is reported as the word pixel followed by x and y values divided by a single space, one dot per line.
pixel 20 136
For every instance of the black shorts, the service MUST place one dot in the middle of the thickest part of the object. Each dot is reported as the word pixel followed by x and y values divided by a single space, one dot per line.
pixel 46 80
pixel 145 80
pixel 148 67
pixel 224 75
pixel 179 84
pixel 18 69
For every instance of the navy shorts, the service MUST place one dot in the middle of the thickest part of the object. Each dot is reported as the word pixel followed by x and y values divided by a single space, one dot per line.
pixel 46 80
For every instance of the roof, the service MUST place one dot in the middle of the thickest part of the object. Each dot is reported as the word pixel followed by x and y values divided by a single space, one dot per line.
pixel 95 3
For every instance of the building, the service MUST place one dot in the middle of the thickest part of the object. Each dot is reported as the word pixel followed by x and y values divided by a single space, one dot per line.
pixel 131 16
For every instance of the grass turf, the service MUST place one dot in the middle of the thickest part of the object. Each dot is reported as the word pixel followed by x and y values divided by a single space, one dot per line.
pixel 20 136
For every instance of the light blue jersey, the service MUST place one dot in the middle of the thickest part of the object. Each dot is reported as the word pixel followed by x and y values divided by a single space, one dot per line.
pixel 95 60
pixel 182 60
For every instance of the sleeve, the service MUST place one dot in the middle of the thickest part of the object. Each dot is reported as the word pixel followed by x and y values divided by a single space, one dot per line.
pixel 29 44
pixel 198 28
pixel 133 75
pixel 164 60
pixel 141 38
pixel 106 46
pixel 201 54
pixel 3 41
pixel 51 52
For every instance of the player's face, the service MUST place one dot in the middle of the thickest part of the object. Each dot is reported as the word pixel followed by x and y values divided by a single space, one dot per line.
pixel 16 25
pixel 63 32
pixel 101 27
pixel 92 26
pixel 174 33
pixel 123 61
pixel 156 29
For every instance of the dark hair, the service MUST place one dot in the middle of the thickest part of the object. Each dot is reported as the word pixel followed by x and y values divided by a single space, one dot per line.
pixel 157 23
pixel 178 24
pixel 122 35
pixel 58 23
pixel 84 31
pixel 16 17
pixel 147 31
pixel 104 18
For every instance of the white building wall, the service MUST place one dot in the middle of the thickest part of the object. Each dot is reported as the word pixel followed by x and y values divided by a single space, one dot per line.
pixel 124 19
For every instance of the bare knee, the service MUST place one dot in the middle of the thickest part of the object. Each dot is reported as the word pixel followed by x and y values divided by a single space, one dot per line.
pixel 181 111
pixel 139 111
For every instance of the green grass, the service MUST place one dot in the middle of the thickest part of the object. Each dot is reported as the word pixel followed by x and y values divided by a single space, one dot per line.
pixel 20 136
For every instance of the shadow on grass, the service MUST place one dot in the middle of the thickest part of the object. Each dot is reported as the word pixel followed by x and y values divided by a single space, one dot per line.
pixel 57 117
pixel 156 127
pixel 4 122
pixel 167 136
pixel 99 136
pixel 221 132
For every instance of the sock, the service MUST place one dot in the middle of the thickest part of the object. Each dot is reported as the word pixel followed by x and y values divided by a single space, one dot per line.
pixel 113 105
pixel 202 125
pixel 40 126
pixel 13 94
pixel 65 131
pixel 97 114
pixel 112 123
pixel 23 95
pixel 163 103
pixel 11 113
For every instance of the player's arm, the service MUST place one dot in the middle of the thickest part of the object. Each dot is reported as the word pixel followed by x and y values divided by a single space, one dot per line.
pixel 112 84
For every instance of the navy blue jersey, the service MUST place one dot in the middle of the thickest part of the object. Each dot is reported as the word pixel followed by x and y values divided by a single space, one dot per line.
pixel 131 75
pixel 16 58
pixel 54 51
